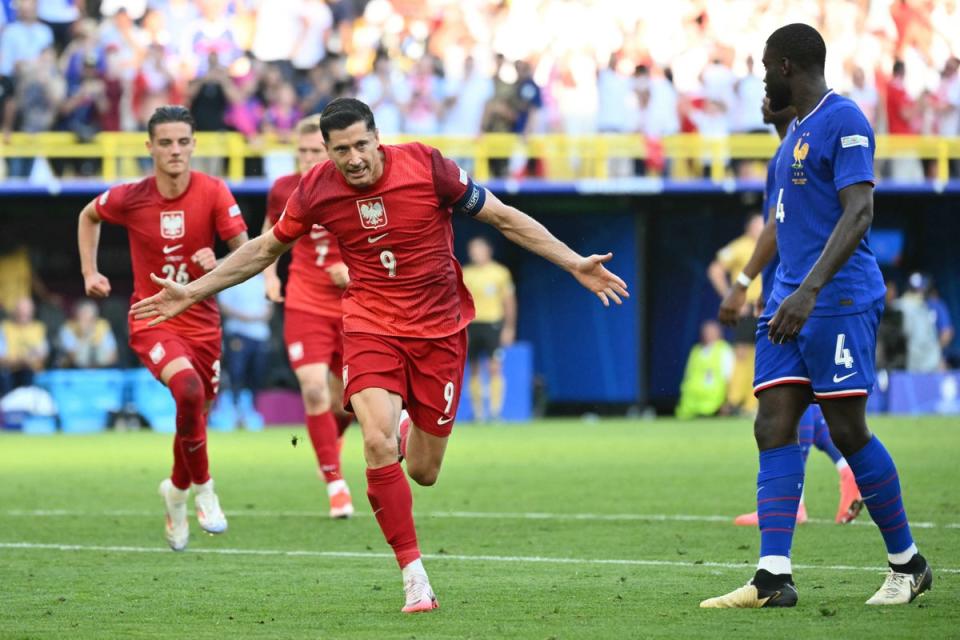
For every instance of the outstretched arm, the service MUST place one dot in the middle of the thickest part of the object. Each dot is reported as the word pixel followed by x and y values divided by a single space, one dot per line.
pixel 857 202
pixel 736 296
pixel 173 299
pixel 95 284
pixel 523 230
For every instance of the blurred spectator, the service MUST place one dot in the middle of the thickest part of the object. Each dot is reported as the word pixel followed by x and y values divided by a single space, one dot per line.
pixel 499 115
pixel 277 32
pixel 21 42
pixel 178 16
pixel 83 110
pixel 246 327
pixel 422 113
pixel 947 106
pixel 864 95
pixel 154 85
pixel 86 341
pixel 60 16
pixel 927 326
pixel 728 264
pixel 316 22
pixel 465 99
pixel 40 89
pixel 615 99
pixel 209 34
pixel 19 277
pixel 387 91
pixel 316 90
pixel 705 378
pixel 494 327
pixel 527 103
pixel 903 118
pixel 209 96
pixel 26 346
pixel 749 93
pixel 127 42
pixel 282 114
pixel 84 47
pixel 891 342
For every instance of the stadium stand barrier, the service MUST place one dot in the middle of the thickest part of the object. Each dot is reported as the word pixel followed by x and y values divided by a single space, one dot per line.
pixel 564 157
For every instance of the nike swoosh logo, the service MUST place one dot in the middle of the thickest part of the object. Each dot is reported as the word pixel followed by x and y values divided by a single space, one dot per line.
pixel 444 420
pixel 169 250
pixel 837 378
pixel 196 448
pixel 373 239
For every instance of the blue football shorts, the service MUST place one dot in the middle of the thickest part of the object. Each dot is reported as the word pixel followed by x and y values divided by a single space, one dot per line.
pixel 835 355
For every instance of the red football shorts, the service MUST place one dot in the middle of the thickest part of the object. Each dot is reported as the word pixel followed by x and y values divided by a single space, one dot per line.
pixel 426 372
pixel 313 339
pixel 156 347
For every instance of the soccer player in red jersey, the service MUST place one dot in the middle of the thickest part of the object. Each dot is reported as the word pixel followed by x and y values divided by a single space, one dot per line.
pixel 313 321
pixel 406 310
pixel 172 218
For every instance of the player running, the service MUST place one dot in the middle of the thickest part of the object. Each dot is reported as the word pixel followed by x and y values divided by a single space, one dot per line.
pixel 406 310
pixel 812 429
pixel 817 336
pixel 171 219
pixel 312 323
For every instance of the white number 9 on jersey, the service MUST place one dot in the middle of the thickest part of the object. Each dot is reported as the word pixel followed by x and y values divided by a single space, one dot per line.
pixel 389 262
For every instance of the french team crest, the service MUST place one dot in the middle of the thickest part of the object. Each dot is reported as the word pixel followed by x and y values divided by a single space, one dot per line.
pixel 373 215
pixel 172 224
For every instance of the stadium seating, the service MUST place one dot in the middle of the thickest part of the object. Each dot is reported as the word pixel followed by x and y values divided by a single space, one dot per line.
pixel 84 398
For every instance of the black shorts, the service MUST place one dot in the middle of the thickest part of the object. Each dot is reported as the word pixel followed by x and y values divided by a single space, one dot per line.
pixel 483 340
pixel 745 332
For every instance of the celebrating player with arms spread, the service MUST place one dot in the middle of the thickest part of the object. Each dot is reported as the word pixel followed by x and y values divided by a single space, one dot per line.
pixel 312 322
pixel 172 219
pixel 406 310
pixel 817 337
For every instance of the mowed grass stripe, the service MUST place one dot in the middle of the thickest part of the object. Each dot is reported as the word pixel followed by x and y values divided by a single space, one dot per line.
pixel 36 546
pixel 467 515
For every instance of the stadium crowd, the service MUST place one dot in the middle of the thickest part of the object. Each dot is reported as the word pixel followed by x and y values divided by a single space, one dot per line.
pixel 445 67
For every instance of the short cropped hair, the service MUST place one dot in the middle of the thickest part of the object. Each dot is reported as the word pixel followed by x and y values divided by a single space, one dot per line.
pixel 342 113
pixel 310 124
pixel 801 44
pixel 170 113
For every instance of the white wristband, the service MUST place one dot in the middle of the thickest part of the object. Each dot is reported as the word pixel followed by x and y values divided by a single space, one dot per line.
pixel 744 280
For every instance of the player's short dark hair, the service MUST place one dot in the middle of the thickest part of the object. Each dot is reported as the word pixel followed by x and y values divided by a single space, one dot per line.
pixel 170 113
pixel 801 44
pixel 342 113
pixel 899 68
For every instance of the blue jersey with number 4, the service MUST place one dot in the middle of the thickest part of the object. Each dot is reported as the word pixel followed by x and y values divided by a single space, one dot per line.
pixel 829 150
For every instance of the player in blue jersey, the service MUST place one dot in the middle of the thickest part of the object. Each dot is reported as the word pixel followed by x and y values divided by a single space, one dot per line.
pixel 817 336
pixel 812 430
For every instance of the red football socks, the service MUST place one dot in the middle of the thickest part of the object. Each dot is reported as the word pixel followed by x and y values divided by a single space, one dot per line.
pixel 187 390
pixel 323 434
pixel 392 503
pixel 180 477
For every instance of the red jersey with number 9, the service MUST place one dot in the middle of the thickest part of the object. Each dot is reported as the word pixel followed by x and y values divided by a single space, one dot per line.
pixel 309 287
pixel 164 234
pixel 395 237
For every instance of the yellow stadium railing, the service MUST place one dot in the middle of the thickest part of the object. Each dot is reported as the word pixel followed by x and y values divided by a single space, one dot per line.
pixel 563 157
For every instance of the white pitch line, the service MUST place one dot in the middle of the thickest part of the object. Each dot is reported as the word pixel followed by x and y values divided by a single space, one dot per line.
pixel 37 546
pixel 468 515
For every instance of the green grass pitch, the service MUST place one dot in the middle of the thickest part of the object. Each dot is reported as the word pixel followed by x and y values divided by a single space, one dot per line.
pixel 559 529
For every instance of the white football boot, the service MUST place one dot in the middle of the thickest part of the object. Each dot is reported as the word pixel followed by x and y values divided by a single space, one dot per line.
pixel 209 514
pixel 420 596
pixel 903 588
pixel 176 529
